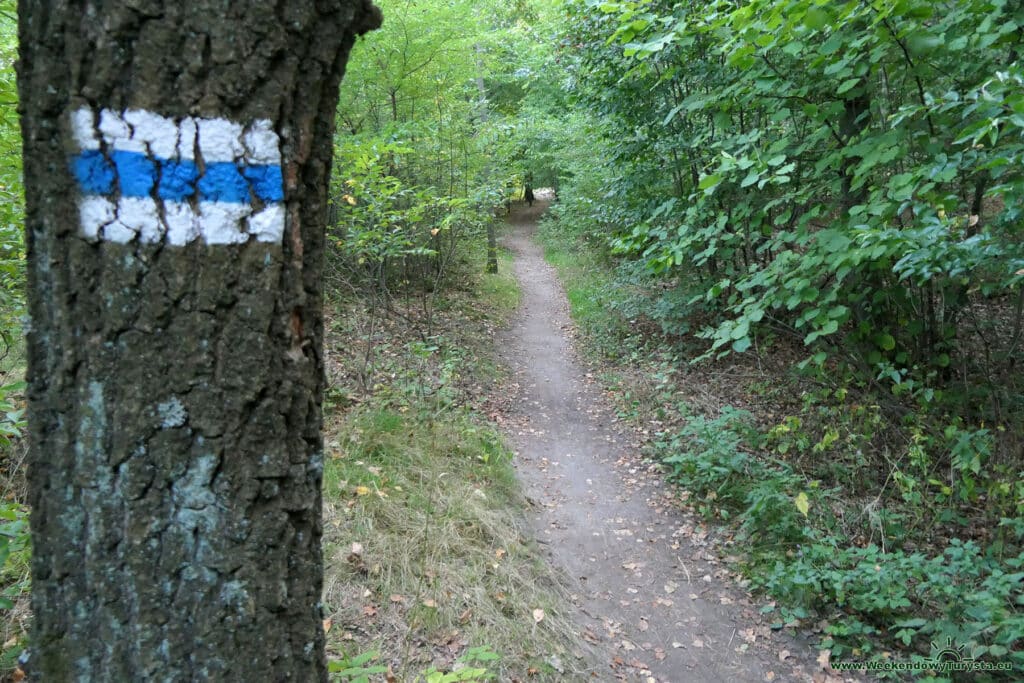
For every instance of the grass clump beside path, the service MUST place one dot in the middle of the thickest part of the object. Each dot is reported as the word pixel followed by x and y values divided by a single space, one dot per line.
pixel 426 554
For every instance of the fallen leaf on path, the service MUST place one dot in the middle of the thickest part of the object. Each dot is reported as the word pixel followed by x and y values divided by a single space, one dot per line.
pixel 430 603
pixel 538 615
pixel 327 625
pixel 396 598
pixel 369 611
pixel 671 587
pixel 677 645
pixel 362 491
pixel 783 655
pixel 644 625
pixel 697 642
pixel 823 659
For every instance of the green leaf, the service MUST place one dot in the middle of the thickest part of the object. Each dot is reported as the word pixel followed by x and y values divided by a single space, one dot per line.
pixel 886 342
pixel 709 181
pixel 816 18
pixel 847 85
pixel 793 47
pixel 922 42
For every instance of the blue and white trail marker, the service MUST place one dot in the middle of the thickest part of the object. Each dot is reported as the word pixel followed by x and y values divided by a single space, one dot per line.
pixel 158 180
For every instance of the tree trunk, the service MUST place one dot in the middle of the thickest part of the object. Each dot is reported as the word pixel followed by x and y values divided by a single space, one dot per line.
pixel 176 166
pixel 484 115
pixel 856 110
pixel 492 248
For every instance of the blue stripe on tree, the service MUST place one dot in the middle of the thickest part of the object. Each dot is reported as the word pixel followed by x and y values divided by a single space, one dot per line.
pixel 135 172
pixel 94 172
pixel 175 180
pixel 222 182
pixel 267 182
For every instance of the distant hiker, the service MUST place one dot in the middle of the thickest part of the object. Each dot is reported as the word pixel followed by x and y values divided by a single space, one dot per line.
pixel 528 194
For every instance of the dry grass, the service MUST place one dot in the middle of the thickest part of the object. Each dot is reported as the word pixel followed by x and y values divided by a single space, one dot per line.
pixel 443 561
pixel 426 552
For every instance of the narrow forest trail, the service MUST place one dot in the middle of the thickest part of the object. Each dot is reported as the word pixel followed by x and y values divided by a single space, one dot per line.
pixel 651 596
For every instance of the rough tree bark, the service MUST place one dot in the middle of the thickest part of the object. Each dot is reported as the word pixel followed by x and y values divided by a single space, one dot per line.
pixel 174 353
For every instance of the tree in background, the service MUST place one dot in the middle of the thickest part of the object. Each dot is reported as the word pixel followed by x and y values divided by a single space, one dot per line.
pixel 418 178
pixel 176 166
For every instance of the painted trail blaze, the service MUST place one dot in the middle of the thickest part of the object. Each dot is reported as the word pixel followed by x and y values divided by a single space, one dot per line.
pixel 175 181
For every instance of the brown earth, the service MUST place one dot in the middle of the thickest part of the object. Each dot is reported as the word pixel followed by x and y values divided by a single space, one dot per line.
pixel 653 595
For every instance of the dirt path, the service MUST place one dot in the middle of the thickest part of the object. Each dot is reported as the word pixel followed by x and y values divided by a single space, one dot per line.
pixel 652 597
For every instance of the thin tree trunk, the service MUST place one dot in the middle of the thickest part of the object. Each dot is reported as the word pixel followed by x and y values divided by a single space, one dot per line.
pixel 484 115
pixel 175 353
pixel 856 110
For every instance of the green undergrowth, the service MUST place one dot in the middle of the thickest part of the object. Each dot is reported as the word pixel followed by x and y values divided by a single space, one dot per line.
pixel 15 544
pixel 882 596
pixel 500 290
pixel 591 289
pixel 892 563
